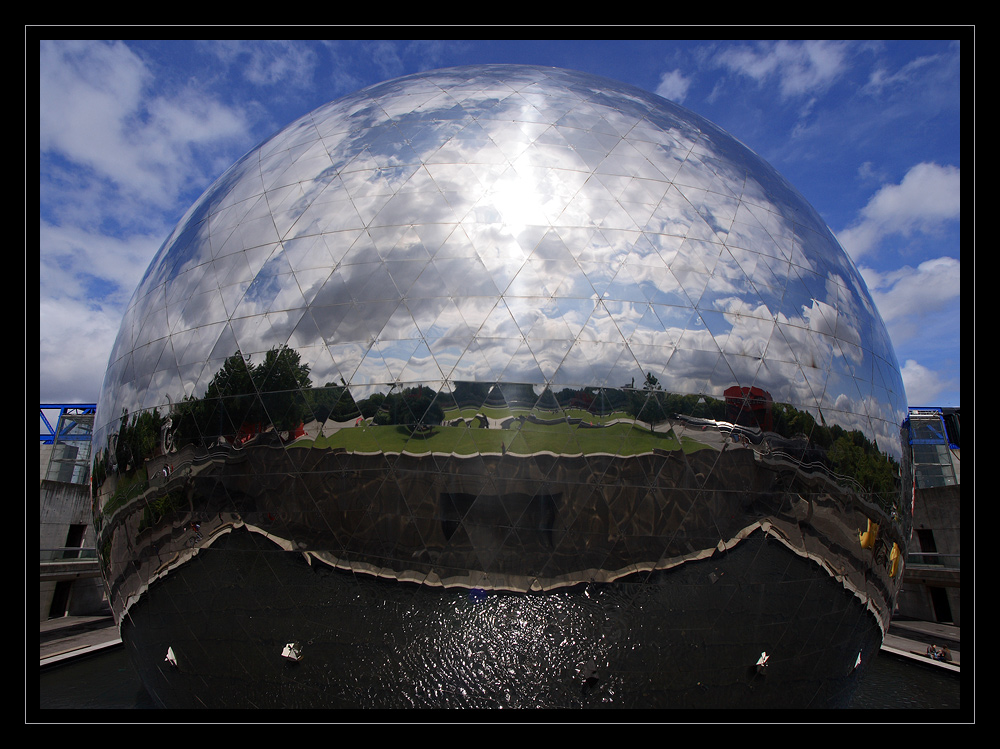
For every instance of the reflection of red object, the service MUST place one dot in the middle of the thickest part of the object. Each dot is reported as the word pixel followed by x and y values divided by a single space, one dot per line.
pixel 247 432
pixel 749 407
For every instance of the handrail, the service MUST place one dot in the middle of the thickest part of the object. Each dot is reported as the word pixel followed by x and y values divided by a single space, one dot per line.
pixel 69 554
pixel 922 557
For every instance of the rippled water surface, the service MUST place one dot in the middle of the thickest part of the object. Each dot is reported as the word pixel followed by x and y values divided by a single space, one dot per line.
pixel 893 683
pixel 106 681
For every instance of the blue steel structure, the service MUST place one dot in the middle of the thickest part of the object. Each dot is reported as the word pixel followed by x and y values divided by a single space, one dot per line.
pixel 65 429
pixel 934 434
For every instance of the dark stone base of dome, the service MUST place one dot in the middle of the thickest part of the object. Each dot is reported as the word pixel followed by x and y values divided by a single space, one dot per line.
pixel 689 637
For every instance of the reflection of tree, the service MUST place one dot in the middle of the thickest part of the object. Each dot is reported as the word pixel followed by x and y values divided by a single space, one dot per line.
pixel 650 404
pixel 842 452
pixel 793 431
pixel 789 421
pixel 413 407
pixel 279 380
pixel 471 394
pixel 159 507
pixel 854 455
pixel 371 405
pixel 332 402
pixel 137 440
pixel 244 395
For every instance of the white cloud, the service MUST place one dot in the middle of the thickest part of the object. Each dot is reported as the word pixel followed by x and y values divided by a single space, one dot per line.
pixel 268 62
pixel 96 110
pixel 908 296
pixel 86 280
pixel 117 161
pixel 70 253
pixel 868 173
pixel 915 70
pixel 921 309
pixel 927 197
pixel 86 91
pixel 74 344
pixel 800 67
pixel 924 387
pixel 280 62
pixel 673 86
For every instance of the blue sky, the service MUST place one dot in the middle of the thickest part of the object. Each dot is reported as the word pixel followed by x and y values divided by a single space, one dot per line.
pixel 132 132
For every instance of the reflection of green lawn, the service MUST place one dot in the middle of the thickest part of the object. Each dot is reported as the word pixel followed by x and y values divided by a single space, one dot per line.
pixel 129 486
pixel 619 439
pixel 540 413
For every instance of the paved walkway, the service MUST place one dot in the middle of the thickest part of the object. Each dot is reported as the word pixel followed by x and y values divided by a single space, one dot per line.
pixel 910 639
pixel 73 636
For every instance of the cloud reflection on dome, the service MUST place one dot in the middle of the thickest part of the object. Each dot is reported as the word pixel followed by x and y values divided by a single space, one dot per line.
pixel 558 246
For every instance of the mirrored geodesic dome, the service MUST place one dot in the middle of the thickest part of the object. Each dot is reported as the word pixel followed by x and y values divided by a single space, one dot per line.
pixel 506 360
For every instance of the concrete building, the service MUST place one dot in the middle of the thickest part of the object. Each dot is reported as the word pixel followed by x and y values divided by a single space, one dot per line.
pixel 932 581
pixel 69 574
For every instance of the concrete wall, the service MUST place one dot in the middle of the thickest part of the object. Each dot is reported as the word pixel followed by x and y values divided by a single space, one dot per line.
pixel 938 510
pixel 43 463
pixel 61 506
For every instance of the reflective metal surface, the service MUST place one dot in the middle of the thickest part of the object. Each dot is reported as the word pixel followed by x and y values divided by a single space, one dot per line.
pixel 502 386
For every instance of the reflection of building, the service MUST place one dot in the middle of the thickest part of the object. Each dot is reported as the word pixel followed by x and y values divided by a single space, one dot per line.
pixel 932 585
pixel 69 573
pixel 749 406
pixel 484 321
